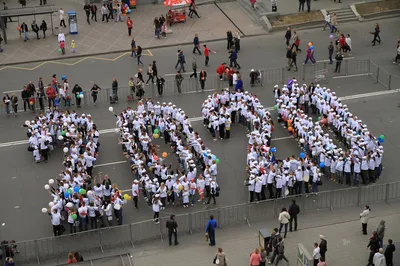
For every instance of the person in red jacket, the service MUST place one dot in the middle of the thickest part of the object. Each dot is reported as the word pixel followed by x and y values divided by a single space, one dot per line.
pixel 51 95
pixel 129 24
pixel 221 70
pixel 342 42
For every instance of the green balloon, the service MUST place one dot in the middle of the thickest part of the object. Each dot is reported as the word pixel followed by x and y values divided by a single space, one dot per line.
pixel 156 131
pixel 63 133
pixel 319 117
pixel 382 136
pixel 276 107
pixel 70 191
pixel 217 160
pixel 74 216
pixel 82 191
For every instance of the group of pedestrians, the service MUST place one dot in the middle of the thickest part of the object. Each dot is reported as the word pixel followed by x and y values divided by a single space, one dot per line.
pixel 191 182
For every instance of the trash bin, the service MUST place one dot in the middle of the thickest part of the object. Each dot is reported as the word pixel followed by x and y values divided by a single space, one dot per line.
pixel 264 235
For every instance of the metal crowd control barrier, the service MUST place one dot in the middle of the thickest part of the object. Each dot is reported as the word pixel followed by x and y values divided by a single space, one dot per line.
pixel 269 77
pixel 243 214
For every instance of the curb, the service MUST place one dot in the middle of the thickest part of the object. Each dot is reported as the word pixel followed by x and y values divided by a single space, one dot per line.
pixel 119 51
pixel 392 13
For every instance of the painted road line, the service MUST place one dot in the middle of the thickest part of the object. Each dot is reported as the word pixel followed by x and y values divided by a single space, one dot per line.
pixel 197 119
pixel 107 164
pixel 327 60
pixel 282 138
pixel 352 76
pixel 184 73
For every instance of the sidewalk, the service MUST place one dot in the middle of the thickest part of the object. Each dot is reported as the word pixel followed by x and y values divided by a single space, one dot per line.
pixel 346 244
pixel 289 6
pixel 111 37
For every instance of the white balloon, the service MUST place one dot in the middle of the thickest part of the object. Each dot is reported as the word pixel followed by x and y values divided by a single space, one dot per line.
pixel 81 96
pixel 27 122
pixel 89 192
pixel 51 181
pixel 51 204
pixel 44 210
pixel 60 137
pixel 65 150
pixel 47 187
pixel 302 141
pixel 68 120
pixel 67 134
pixel 66 186
pixel 111 109
pixel 69 205
pixel 65 124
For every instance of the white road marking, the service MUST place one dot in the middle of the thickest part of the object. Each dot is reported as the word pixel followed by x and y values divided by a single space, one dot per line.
pixel 106 164
pixel 346 58
pixel 182 73
pixel 282 138
pixel 197 119
pixel 352 76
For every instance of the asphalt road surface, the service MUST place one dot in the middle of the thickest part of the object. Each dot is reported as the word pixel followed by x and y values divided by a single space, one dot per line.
pixel 22 181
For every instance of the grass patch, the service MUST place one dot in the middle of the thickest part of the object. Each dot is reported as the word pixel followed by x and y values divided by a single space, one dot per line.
pixel 377 7
pixel 302 17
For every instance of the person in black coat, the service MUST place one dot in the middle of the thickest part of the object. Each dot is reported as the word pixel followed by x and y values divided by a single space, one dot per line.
pixel 376 32
pixel 229 39
pixel 172 226
pixel 323 246
pixel 76 91
pixel 288 35
pixel 373 246
pixel 294 210
pixel 35 29
pixel 43 27
pixel 160 85
pixel 202 79
pixel 389 253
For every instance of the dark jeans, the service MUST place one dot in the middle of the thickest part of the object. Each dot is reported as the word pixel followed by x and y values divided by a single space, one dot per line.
pixel 207 60
pixel 364 228
pixel 301 6
pixel 62 23
pixel 194 74
pixel 338 64
pixel 170 233
pixel 104 17
pixel 56 230
pixel 196 48
pixel 280 229
pixel 211 235
pixel 291 221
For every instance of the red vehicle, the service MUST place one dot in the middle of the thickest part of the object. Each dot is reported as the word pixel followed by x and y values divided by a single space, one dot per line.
pixel 176 15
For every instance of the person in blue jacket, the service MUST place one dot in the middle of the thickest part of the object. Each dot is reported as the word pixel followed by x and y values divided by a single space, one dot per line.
pixel 239 84
pixel 210 230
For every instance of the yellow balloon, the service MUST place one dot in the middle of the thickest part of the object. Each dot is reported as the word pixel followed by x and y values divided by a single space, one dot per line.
pixel 126 196
pixel 129 198
pixel 156 136
pixel 180 187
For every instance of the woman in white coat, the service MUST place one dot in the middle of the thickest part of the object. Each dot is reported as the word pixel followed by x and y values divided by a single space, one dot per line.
pixel 284 218
pixel 364 216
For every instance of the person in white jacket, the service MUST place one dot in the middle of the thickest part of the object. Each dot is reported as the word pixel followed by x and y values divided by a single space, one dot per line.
pixel 364 216
pixel 284 218
pixel 379 258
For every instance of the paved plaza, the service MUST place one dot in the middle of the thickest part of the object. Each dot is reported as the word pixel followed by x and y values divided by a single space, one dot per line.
pixel 22 181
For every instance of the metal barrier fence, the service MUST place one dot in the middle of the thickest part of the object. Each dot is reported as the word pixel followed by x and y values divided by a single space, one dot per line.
pixel 305 73
pixel 383 77
pixel 242 214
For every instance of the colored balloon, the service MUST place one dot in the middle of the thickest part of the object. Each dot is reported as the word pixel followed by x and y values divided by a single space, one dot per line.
pixel 217 160
pixel 74 216
pixel 321 165
pixel 76 189
pixel 302 155
pixel 156 136
pixel 276 107
pixel 66 195
pixel 273 150
pixel 164 155
pixel 82 191
pixel 156 131
pixel 382 137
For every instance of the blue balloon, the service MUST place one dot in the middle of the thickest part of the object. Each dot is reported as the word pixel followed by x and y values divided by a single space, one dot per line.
pixel 381 140
pixel 273 149
pixel 76 189
pixel 302 155
pixel 213 157
pixel 321 165
pixel 81 92
pixel 149 164
pixel 205 154
pixel 63 77
pixel 66 195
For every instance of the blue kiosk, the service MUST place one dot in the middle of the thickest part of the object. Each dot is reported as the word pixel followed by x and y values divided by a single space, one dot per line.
pixel 72 22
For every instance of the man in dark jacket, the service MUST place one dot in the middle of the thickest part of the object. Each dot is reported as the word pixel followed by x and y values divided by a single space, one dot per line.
pixel 288 35
pixel 93 9
pixel 35 29
pixel 41 94
pixel 339 59
pixel 289 55
pixel 301 5
pixel 87 9
pixel 25 95
pixel 229 39
pixel 77 92
pixel 196 43
pixel 273 242
pixel 389 253
pixel 172 225
pixel 294 210
pixel 203 78
pixel 323 246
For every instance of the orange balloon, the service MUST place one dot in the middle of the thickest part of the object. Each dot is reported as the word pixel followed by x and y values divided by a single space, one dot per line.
pixel 290 129
pixel 19 28
pixel 164 155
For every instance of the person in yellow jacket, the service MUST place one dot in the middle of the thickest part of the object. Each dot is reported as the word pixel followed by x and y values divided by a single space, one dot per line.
pixel 73 46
